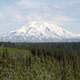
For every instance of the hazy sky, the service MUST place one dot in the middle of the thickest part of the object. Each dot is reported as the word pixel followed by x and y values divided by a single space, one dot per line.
pixel 16 13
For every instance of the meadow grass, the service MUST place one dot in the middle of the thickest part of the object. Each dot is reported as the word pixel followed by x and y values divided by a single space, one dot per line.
pixel 38 64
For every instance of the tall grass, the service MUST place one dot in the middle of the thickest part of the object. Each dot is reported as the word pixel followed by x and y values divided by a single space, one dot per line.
pixel 39 64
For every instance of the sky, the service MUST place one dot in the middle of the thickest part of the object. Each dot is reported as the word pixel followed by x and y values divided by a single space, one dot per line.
pixel 16 13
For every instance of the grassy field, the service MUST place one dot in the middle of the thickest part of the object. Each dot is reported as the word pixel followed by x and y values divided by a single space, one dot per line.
pixel 40 63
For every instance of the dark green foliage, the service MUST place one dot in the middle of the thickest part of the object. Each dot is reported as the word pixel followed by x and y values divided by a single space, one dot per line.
pixel 57 61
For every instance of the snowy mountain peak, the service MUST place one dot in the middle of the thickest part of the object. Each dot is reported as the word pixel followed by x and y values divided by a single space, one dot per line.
pixel 40 31
pixel 41 27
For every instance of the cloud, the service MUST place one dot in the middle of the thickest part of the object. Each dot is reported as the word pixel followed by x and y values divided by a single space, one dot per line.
pixel 37 9
pixel 37 4
pixel 22 18
pixel 34 10
pixel 1 15
pixel 19 17
pixel 62 18
pixel 24 4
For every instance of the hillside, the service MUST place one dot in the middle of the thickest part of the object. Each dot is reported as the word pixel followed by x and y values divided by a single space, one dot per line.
pixel 36 62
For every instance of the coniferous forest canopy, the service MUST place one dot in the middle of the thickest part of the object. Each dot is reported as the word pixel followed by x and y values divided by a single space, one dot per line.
pixel 39 61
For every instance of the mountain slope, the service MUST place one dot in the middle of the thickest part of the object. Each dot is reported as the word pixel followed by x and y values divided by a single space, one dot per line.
pixel 40 31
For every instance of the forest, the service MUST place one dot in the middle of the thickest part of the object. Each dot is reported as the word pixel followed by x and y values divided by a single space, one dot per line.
pixel 39 61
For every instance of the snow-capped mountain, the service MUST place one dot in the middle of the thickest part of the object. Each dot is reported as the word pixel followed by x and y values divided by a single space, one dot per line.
pixel 40 31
